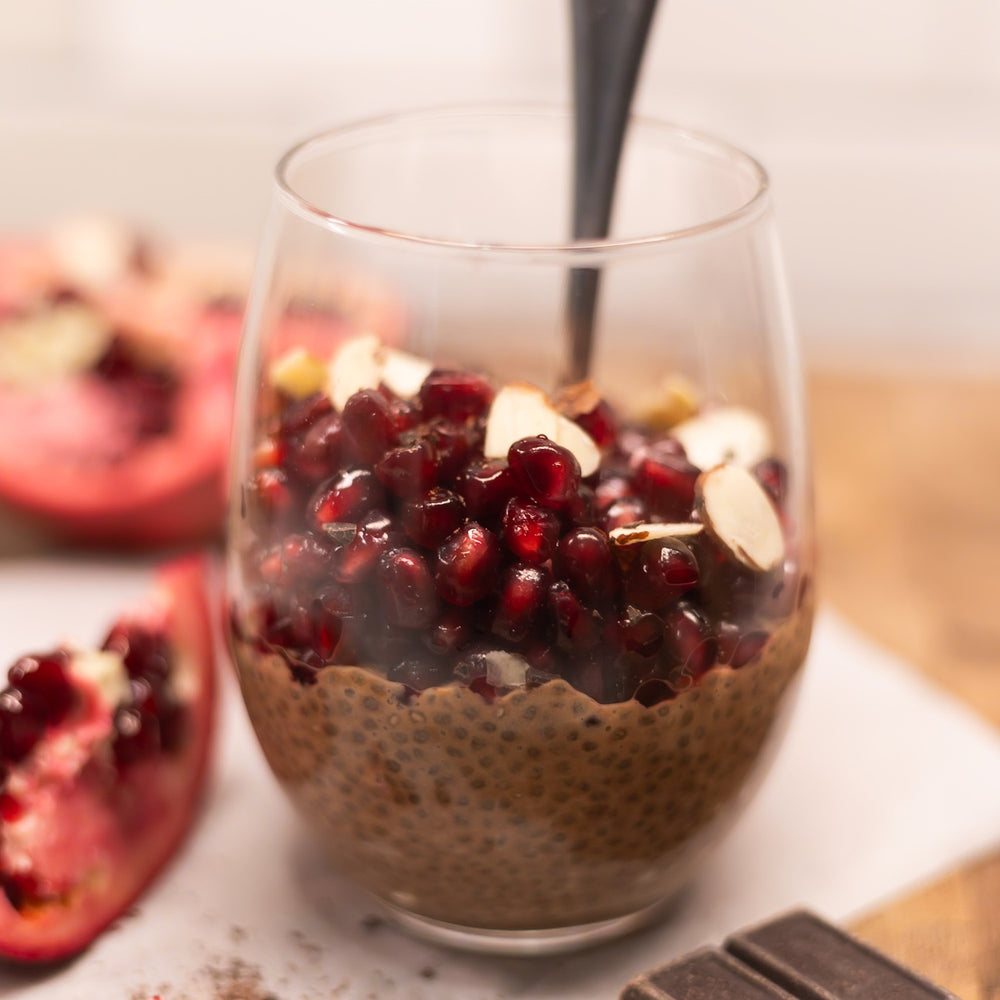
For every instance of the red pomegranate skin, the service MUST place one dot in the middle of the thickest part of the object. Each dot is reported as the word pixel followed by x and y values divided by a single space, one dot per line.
pixel 124 810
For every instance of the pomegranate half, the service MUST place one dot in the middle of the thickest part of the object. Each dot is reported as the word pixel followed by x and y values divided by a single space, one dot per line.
pixel 115 390
pixel 103 757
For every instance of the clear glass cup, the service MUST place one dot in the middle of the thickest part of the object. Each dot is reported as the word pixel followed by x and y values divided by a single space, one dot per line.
pixel 518 648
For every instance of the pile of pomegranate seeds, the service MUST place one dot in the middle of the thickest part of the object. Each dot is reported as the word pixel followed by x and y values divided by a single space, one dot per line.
pixel 384 535
pixel 42 695
pixel 152 720
pixel 38 695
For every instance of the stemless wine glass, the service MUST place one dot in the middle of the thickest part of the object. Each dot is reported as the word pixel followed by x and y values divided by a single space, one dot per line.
pixel 517 647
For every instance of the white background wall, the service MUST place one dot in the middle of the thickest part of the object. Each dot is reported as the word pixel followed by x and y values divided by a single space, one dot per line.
pixel 878 119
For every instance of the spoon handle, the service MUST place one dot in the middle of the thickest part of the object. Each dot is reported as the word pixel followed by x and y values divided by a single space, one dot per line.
pixel 609 38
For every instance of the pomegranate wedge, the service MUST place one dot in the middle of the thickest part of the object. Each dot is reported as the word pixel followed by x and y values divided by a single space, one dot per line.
pixel 103 757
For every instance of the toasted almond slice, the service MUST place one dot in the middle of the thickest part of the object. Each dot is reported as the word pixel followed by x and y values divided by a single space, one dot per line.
pixel 357 365
pixel 675 399
pixel 520 410
pixel 297 373
pixel 733 435
pixel 577 399
pixel 738 513
pixel 634 534
pixel 93 251
pixel 404 373
pixel 63 340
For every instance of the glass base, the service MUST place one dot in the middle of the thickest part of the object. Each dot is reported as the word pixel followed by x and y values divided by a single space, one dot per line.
pixel 545 941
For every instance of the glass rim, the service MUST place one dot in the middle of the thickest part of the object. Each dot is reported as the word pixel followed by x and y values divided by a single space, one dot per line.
pixel 693 140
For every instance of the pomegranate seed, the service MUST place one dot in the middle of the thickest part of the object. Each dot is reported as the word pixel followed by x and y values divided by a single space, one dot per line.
pixel 357 560
pixel 486 485
pixel 546 471
pixel 542 656
pixel 665 480
pixel 22 725
pixel 407 470
pixel 582 508
pixel 269 497
pixel 467 564
pixel 44 684
pixel 270 566
pixel 328 629
pixel 639 632
pixel 270 451
pixel 664 571
pixel 530 531
pixel 578 627
pixel 628 510
pixel 407 589
pixel 691 642
pixel 344 497
pixel 451 446
pixel 610 490
pixel 520 599
pixel 303 413
pixel 404 415
pixel 585 561
pixel 455 395
pixel 738 648
pixel 307 557
pixel 653 691
pixel 449 633
pixel 315 454
pixel 137 735
pixel 432 518
pixel 144 652
pixel 368 425
pixel 773 476
pixel 483 687
pixel 599 423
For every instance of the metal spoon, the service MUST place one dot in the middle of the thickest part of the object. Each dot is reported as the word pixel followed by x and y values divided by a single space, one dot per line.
pixel 609 38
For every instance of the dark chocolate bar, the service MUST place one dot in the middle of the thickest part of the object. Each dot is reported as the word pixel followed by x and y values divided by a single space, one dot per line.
pixel 708 974
pixel 813 960
pixel 796 956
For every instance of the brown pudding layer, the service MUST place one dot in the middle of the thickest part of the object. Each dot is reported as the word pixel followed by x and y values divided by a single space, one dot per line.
pixel 540 809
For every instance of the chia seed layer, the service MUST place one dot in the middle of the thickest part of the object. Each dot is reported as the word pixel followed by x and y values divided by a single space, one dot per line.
pixel 540 809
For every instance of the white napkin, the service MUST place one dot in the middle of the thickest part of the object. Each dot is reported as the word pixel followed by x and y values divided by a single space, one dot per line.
pixel 883 781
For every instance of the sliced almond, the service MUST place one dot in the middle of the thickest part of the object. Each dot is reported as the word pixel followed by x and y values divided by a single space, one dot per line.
pixel 635 534
pixel 357 365
pixel 577 399
pixel 505 670
pixel 404 373
pixel 520 410
pixel 730 435
pixel 64 340
pixel 738 513
pixel 93 251
pixel 297 373
pixel 365 363
pixel 674 399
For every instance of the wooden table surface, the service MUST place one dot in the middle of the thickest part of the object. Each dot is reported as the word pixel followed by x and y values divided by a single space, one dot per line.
pixel 908 508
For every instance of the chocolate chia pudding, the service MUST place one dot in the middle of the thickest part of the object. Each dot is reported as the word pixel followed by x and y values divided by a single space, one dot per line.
pixel 541 809
pixel 516 660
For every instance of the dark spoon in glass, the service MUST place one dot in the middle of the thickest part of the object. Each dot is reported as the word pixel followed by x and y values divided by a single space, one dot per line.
pixel 609 38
